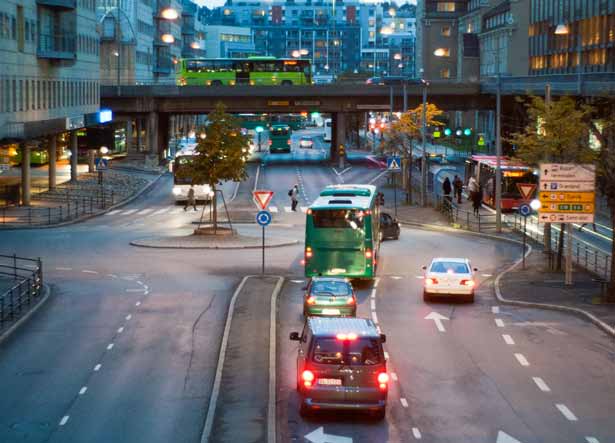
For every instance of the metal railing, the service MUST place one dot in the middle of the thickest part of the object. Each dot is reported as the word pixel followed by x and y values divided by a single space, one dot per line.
pixel 464 219
pixel 25 279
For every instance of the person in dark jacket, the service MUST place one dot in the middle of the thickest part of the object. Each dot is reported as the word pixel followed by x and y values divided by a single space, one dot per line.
pixel 477 199
pixel 458 188
pixel 446 189
pixel 191 200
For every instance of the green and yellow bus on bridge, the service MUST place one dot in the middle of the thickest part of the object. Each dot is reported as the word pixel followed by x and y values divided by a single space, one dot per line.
pixel 342 232
pixel 256 71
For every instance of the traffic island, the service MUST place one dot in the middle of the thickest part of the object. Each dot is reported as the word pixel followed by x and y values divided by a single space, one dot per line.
pixel 200 241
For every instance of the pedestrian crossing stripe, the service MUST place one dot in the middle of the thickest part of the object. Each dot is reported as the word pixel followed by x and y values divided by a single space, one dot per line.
pixel 303 209
pixel 160 211
pixel 144 211
pixel 150 212
pixel 115 211
pixel 130 211
pixel 287 209
pixel 273 209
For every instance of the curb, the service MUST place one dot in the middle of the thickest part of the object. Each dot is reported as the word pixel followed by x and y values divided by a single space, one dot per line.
pixel 279 245
pixel 498 293
pixel 88 216
pixel 26 316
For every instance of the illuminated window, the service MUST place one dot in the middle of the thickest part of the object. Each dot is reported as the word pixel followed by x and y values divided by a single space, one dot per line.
pixel 446 7
pixel 445 31
pixel 227 12
pixel 442 52
pixel 445 73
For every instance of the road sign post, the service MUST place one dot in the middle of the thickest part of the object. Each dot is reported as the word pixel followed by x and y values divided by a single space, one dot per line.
pixel 394 165
pixel 262 197
pixel 525 210
pixel 263 218
pixel 567 196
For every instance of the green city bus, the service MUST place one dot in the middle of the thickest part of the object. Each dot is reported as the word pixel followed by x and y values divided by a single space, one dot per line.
pixel 279 138
pixel 252 121
pixel 342 232
pixel 295 121
pixel 242 71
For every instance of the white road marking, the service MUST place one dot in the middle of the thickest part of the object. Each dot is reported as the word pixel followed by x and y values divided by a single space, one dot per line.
pixel 64 420
pixel 128 317
pixel 144 211
pixel 499 322
pixel 287 209
pixel 304 209
pixel 177 210
pixel 386 355
pixel 139 282
pixel 437 319
pixel 396 277
pixel 161 211
pixel 375 317
pixel 273 208
pixel 378 329
pixel 495 309
pixel 420 277
pixel 404 402
pixel 109 346
pixel 376 281
pixel 416 433
pixel 373 293
pixel 112 275
pixel 297 281
pixel 319 436
pixel 83 390
pixel 541 384
pixel 60 268
pixel 394 376
pixel 138 303
pixel 97 367
pixel 129 211
pixel 508 339
pixel 115 211
pixel 521 359
pixel 487 275
pixel 373 304
pixel 120 329
pixel 566 412
pixel 503 437
pixel 87 271
pixel 136 290
pixel 592 440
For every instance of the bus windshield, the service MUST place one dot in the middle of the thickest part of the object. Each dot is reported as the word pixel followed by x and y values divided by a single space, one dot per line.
pixel 339 218
pixel 180 166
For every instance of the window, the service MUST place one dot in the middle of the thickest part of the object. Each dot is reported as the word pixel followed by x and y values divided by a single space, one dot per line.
pixel 445 73
pixel 445 31
pixel 453 267
pixel 20 29
pixel 360 351
pixel 38 94
pixel 338 218
pixel 331 287
pixel 445 7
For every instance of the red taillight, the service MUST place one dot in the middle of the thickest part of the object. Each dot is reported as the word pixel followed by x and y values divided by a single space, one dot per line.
pixel 311 300
pixel 350 301
pixel 309 211
pixel 368 253
pixel 469 283
pixel 308 378
pixel 308 252
pixel 288 141
pixel 383 380
pixel 270 142
pixel 431 281
pixel 350 336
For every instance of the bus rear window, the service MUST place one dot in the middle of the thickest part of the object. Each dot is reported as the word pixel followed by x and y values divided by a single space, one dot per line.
pixel 338 218
pixel 361 351
pixel 279 131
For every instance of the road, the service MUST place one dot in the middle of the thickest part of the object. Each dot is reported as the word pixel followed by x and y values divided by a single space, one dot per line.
pixel 126 348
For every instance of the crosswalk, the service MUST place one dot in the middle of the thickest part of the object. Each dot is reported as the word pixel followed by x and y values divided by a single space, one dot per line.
pixel 173 210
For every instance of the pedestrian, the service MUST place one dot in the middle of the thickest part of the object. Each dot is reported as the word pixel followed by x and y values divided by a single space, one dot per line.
pixel 593 226
pixel 190 201
pixel 293 193
pixel 446 189
pixel 458 188
pixel 477 199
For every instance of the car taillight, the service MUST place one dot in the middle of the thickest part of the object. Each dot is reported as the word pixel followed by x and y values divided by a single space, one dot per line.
pixel 270 142
pixel 311 300
pixel 469 283
pixel 383 380
pixel 368 253
pixel 350 301
pixel 308 252
pixel 431 281
pixel 288 141
pixel 308 378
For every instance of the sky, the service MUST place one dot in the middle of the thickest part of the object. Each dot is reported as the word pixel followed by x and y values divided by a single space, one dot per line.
pixel 214 3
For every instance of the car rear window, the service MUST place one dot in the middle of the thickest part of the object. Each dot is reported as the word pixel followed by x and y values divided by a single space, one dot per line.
pixel 446 266
pixel 331 287
pixel 361 351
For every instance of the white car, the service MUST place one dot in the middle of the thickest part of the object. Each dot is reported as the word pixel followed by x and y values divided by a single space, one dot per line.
pixel 449 276
pixel 306 142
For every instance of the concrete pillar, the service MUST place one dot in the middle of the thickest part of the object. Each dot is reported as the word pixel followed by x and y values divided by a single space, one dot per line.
pixel 163 136
pixel 340 128
pixel 52 156
pixel 129 138
pixel 74 153
pixel 91 160
pixel 25 173
pixel 139 129
pixel 152 133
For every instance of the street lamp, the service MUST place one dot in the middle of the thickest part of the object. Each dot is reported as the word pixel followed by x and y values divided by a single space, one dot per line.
pixel 167 38
pixel 425 85
pixel 104 150
pixel 303 52
pixel 296 54
pixel 169 14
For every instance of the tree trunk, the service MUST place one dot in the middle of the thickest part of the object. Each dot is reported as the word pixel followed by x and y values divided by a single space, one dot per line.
pixel 214 203
pixel 560 247
pixel 611 289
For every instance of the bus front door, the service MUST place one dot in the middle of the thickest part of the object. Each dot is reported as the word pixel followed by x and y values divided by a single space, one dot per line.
pixel 242 76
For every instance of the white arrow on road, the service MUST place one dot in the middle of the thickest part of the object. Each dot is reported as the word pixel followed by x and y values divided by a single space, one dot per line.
pixel 319 436
pixel 437 318
pixel 503 437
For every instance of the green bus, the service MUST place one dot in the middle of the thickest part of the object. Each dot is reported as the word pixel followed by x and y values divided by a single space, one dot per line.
pixel 252 121
pixel 295 121
pixel 279 138
pixel 242 71
pixel 342 232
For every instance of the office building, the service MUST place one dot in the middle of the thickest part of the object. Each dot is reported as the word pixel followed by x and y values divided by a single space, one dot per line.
pixel 228 41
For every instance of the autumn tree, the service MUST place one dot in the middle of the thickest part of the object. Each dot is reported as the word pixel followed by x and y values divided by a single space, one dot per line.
pixel 221 154
pixel 557 132
pixel 401 135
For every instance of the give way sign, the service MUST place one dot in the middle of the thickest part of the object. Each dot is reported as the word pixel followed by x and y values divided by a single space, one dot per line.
pixel 262 197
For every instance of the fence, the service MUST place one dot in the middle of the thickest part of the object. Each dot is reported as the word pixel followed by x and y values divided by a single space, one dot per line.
pixel 462 218
pixel 25 279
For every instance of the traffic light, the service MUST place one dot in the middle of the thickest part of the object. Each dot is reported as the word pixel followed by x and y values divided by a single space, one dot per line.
pixel 467 132
pixel 458 132
pixel 447 132
pixel 341 150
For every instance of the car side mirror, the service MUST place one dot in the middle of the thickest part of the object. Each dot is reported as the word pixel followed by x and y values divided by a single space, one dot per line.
pixel 424 268
pixel 383 338
pixel 294 336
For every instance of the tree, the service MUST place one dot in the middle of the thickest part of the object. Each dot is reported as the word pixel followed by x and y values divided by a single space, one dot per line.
pixel 557 132
pixel 604 131
pixel 401 134
pixel 222 154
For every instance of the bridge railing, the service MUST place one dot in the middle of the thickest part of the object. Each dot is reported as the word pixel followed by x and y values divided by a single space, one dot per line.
pixel 22 285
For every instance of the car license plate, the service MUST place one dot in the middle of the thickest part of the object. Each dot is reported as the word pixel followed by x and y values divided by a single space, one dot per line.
pixel 330 381
pixel 330 312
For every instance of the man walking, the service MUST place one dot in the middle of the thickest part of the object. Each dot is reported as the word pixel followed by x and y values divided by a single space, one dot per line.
pixel 446 189
pixel 294 197
pixel 190 201
pixel 458 188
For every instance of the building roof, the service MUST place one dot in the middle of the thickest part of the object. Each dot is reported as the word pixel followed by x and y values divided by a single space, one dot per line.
pixel 331 326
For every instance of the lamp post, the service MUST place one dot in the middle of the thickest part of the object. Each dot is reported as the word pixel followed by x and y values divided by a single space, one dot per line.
pixel 425 84
pixel 117 30
pixel 498 148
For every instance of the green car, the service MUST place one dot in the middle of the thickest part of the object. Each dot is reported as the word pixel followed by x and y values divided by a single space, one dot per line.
pixel 330 296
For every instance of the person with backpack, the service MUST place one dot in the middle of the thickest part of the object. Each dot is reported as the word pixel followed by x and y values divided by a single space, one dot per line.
pixel 293 193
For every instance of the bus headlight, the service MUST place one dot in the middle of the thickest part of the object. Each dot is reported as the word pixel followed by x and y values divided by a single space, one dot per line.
pixel 177 190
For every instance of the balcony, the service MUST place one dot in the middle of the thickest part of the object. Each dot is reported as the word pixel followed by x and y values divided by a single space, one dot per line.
pixel 60 4
pixel 61 46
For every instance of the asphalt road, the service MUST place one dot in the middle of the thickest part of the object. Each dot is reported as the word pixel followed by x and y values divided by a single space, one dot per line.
pixel 153 320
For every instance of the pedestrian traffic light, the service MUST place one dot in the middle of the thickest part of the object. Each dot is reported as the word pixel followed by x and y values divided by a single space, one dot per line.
pixel 259 129
pixel 315 114
pixel 467 132
pixel 447 132
pixel 341 150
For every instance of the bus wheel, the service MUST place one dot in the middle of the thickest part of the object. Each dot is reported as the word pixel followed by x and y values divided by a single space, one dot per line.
pixel 216 83
pixel 286 82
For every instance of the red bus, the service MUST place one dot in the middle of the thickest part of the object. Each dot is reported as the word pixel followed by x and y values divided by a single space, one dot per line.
pixel 483 168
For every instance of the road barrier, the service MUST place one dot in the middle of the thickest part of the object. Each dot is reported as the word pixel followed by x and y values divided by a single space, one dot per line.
pixel 24 278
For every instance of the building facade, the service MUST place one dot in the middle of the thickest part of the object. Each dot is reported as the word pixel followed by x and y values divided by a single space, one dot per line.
pixel 228 41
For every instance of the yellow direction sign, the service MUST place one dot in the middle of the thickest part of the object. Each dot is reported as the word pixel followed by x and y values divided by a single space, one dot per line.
pixel 568 197
pixel 568 208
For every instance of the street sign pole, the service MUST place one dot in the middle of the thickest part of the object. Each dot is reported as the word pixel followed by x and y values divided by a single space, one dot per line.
pixel 263 218
pixel 568 265
pixel 263 255
pixel 395 192
pixel 524 240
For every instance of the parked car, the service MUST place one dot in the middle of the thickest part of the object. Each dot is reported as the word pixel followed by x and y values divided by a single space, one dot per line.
pixel 446 277
pixel 389 226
